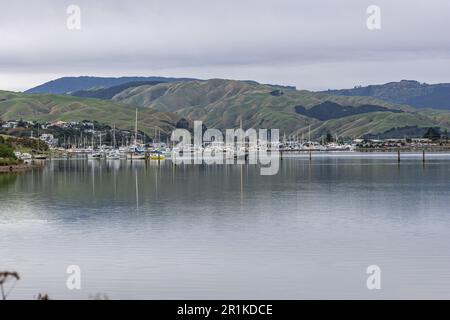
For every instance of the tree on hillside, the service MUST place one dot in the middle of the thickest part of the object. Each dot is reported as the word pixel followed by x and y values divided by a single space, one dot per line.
pixel 21 123
pixel 7 152
pixel 433 134
pixel 182 124
pixel 329 137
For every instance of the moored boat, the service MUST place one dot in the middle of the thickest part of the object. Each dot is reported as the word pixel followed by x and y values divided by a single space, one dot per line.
pixel 136 156
pixel 157 156
pixel 95 155
pixel 113 155
pixel 40 157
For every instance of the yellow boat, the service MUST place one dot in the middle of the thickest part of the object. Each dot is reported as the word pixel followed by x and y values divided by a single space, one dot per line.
pixel 157 157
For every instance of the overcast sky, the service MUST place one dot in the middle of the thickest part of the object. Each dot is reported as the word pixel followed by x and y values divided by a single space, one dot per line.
pixel 314 44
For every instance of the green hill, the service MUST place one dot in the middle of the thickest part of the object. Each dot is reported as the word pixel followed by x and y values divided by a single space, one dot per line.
pixel 72 84
pixel 40 107
pixel 225 103
pixel 109 93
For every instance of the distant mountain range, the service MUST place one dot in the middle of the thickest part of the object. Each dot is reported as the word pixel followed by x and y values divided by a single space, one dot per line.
pixel 413 93
pixel 221 104
pixel 73 84
pixel 109 93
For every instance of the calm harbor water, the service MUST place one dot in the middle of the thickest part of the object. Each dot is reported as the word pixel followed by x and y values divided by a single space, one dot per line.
pixel 204 232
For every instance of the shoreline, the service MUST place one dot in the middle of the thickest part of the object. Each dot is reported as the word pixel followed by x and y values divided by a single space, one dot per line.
pixel 17 168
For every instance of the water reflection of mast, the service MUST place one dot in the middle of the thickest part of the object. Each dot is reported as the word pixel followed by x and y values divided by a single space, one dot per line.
pixel 115 183
pixel 114 137
pixel 242 187
pixel 93 178
pixel 135 129
pixel 156 182
pixel 137 192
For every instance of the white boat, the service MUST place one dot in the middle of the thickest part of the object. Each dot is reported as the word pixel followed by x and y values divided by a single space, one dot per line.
pixel 136 156
pixel 40 157
pixel 113 155
pixel 157 156
pixel 95 155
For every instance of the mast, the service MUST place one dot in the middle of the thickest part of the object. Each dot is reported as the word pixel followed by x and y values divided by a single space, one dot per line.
pixel 93 132
pixel 135 129
pixel 38 137
pixel 114 136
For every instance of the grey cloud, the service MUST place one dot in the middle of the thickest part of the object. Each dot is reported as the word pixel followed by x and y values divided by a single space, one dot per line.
pixel 275 41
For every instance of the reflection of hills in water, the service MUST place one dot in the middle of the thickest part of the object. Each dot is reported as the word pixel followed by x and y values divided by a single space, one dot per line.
pixel 7 179
pixel 211 231
pixel 115 189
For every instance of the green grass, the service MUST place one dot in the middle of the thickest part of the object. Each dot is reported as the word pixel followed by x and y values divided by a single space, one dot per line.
pixel 224 104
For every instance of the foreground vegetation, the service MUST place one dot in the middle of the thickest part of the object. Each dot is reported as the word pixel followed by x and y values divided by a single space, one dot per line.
pixel 7 156
pixel 9 144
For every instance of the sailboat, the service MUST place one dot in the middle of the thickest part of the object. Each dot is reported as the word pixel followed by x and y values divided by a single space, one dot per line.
pixel 240 150
pixel 156 153
pixel 114 154
pixel 94 154
pixel 136 153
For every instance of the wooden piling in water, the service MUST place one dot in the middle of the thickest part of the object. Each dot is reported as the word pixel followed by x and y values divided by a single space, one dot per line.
pixel 423 156
pixel 398 156
pixel 310 155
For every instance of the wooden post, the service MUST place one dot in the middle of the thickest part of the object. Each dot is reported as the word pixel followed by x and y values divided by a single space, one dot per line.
pixel 398 155
pixel 310 155
pixel 423 156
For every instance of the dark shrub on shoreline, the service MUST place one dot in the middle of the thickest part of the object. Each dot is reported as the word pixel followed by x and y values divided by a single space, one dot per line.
pixel 7 152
